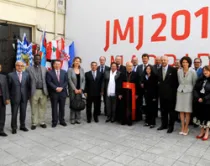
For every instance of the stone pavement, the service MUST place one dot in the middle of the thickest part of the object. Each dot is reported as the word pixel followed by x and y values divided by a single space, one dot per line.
pixel 101 145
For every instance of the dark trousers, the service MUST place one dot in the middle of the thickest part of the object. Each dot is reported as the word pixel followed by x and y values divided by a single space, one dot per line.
pixel 58 101
pixel 2 114
pixel 139 103
pixel 96 101
pixel 151 112
pixel 22 105
pixel 111 107
pixel 104 100
pixel 168 114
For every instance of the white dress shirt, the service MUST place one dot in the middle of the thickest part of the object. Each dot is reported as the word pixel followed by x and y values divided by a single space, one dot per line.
pixel 111 84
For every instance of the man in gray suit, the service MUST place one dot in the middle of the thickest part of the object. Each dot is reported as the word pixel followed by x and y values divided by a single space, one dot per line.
pixel 39 92
pixel 19 88
pixel 4 100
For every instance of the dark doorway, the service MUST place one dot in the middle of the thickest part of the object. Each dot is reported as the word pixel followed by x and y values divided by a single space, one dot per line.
pixel 8 42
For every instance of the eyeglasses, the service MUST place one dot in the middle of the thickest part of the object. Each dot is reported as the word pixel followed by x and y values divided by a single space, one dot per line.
pixel 196 62
pixel 20 65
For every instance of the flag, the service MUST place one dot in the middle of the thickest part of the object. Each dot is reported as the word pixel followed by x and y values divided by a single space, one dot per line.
pixel 65 59
pixel 43 49
pixel 71 53
pixel 24 51
pixel 55 48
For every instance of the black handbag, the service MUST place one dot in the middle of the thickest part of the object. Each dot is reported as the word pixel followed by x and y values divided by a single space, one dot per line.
pixel 77 103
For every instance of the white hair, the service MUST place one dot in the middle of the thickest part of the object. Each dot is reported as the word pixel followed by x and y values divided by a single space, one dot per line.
pixel 19 61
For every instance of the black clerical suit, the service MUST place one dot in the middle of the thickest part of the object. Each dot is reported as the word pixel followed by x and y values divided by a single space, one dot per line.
pixel 126 101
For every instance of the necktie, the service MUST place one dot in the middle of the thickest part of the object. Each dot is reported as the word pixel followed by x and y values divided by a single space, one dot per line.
pixel 164 74
pixel 134 68
pixel 20 76
pixel 102 69
pixel 58 76
pixel 144 66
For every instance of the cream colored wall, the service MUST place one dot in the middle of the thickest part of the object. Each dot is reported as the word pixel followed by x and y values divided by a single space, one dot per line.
pixel 35 13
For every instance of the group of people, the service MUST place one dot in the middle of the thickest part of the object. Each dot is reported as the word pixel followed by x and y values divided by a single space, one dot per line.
pixel 127 91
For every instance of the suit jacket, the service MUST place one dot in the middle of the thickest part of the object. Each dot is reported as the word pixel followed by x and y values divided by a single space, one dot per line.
pixel 105 69
pixel 122 69
pixel 93 87
pixel 156 68
pixel 197 89
pixel 187 82
pixel 133 79
pixel 72 81
pixel 32 73
pixel 4 88
pixel 168 87
pixel 53 83
pixel 151 87
pixel 19 90
pixel 199 72
pixel 106 82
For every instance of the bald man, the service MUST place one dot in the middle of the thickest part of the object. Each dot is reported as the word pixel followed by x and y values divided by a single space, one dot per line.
pixel 157 64
pixel 19 87
pixel 168 84
pixel 128 91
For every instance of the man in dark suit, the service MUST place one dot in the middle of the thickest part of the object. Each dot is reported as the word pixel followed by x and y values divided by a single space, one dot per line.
pixel 111 80
pixel 93 82
pixel 4 100
pixel 19 88
pixel 103 68
pixel 157 65
pixel 168 83
pixel 140 73
pixel 57 85
pixel 120 67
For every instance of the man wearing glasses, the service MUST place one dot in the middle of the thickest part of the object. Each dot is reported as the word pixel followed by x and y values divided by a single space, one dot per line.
pixel 197 66
pixel 19 88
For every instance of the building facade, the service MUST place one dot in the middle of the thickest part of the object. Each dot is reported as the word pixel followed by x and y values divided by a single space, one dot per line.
pixel 30 17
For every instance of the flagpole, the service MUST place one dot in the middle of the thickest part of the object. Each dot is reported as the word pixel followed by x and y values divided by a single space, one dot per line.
pixel 55 21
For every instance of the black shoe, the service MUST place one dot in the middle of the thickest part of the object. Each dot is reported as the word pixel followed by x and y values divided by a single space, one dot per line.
pixel 96 119
pixel 112 121
pixel 170 130
pixel 24 129
pixel 146 124
pixel 14 131
pixel 3 134
pixel 54 125
pixel 44 126
pixel 152 126
pixel 88 121
pixel 33 127
pixel 162 128
pixel 108 120
pixel 78 122
pixel 63 124
pixel 129 124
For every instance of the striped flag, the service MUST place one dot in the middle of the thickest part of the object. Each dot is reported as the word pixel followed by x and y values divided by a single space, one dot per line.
pixel 43 49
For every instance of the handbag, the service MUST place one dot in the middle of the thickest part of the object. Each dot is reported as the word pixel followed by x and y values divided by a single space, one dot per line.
pixel 77 103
